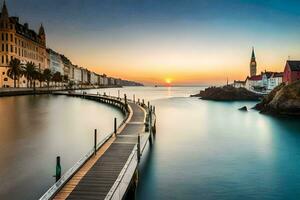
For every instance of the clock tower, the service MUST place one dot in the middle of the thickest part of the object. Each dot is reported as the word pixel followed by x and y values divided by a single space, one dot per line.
pixel 253 64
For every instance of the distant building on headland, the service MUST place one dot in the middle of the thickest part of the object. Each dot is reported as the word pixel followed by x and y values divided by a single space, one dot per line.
pixel 19 41
pixel 264 82
pixel 291 71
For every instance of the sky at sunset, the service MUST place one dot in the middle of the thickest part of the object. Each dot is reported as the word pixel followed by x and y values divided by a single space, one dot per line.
pixel 180 41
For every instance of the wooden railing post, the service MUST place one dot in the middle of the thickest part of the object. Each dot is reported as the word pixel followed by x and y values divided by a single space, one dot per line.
pixel 125 99
pixel 134 98
pixel 95 142
pixel 139 148
pixel 115 126
pixel 150 121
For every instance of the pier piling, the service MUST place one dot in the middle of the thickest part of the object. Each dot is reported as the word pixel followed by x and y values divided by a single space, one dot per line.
pixel 95 142
pixel 58 169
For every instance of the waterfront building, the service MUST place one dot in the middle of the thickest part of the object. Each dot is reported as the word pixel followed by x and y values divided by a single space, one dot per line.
pixel 254 83
pixel 111 81
pixel 239 84
pixel 291 71
pixel 77 75
pixel 19 41
pixel 253 64
pixel 55 62
pixel 265 78
pixel 67 67
pixel 84 76
pixel 94 78
pixel 103 80
pixel 274 80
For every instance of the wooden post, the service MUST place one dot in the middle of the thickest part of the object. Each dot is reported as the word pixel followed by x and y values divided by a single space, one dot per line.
pixel 143 102
pixel 95 142
pixel 115 126
pixel 58 169
pixel 125 98
pixel 139 148
pixel 134 98
pixel 148 105
pixel 138 101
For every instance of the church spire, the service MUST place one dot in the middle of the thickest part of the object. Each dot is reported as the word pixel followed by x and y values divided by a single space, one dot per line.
pixel 41 30
pixel 253 54
pixel 4 13
pixel 253 65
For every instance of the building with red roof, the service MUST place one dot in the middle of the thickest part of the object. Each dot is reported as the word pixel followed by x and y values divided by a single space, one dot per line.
pixel 291 71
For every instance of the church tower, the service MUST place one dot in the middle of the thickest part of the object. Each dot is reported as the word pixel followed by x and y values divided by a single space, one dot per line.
pixel 253 64
pixel 42 34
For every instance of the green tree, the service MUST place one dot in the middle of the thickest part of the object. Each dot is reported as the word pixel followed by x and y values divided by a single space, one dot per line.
pixel 30 72
pixel 47 75
pixel 15 70
pixel 41 77
pixel 57 77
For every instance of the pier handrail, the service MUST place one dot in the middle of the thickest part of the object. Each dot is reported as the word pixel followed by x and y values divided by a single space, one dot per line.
pixel 50 193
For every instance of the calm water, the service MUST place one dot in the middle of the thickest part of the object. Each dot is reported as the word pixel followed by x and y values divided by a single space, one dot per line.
pixel 34 130
pixel 203 149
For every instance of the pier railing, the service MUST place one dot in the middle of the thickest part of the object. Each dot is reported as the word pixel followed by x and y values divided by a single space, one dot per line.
pixel 69 174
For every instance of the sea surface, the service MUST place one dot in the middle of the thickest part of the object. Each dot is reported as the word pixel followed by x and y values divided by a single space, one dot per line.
pixel 202 150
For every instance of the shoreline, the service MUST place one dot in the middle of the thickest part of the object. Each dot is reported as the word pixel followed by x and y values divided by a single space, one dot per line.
pixel 8 92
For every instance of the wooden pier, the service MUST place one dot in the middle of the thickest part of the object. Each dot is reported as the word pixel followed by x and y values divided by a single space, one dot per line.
pixel 110 172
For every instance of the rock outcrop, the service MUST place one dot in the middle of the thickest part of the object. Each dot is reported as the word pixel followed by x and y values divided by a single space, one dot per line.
pixel 227 93
pixel 283 100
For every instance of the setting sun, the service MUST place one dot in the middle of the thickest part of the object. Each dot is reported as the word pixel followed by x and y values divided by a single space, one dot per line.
pixel 168 80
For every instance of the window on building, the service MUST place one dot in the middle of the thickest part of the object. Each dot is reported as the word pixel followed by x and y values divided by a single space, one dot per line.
pixel 2 36
pixel 6 47
pixel 11 38
pixel 2 47
pixel 11 48
pixel 2 59
pixel 6 36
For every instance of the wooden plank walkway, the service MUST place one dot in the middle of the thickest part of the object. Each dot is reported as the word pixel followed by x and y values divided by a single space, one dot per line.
pixel 96 178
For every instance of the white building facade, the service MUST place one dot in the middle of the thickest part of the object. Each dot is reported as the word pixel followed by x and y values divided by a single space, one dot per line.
pixel 55 62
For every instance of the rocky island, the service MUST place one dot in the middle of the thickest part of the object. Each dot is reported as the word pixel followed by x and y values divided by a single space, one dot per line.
pixel 283 100
pixel 227 93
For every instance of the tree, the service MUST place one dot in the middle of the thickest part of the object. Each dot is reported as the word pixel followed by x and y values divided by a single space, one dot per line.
pixel 41 77
pixel 35 76
pixel 47 76
pixel 15 70
pixel 57 77
pixel 30 72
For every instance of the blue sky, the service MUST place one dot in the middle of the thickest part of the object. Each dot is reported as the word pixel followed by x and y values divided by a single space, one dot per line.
pixel 157 39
